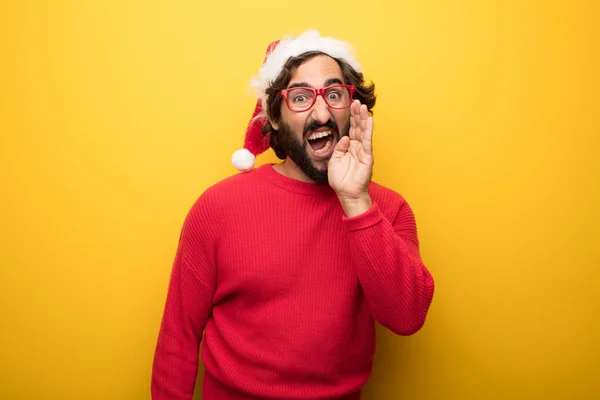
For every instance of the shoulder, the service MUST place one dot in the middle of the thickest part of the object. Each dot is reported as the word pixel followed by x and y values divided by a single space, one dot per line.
pixel 396 209
pixel 390 202
pixel 385 196
pixel 225 194
pixel 232 186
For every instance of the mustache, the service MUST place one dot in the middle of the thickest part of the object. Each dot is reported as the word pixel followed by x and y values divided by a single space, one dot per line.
pixel 315 125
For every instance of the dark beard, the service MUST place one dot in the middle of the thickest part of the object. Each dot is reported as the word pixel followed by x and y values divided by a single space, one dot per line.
pixel 297 151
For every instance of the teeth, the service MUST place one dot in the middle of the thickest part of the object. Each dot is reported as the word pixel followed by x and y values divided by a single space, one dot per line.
pixel 318 135
pixel 324 149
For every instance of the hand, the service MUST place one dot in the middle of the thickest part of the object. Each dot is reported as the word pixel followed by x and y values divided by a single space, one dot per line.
pixel 351 165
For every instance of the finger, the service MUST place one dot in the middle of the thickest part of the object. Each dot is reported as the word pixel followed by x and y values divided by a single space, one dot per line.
pixel 364 115
pixel 357 121
pixel 361 122
pixel 341 147
pixel 355 108
pixel 354 119
pixel 353 112
pixel 367 141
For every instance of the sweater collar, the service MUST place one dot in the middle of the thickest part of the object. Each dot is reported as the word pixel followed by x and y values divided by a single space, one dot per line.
pixel 293 185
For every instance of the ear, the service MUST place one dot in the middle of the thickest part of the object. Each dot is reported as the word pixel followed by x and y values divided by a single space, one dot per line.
pixel 274 124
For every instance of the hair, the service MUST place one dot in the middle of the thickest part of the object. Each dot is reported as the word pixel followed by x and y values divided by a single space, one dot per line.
pixel 365 93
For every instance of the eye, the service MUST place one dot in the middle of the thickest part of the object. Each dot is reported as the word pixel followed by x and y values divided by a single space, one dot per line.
pixel 299 99
pixel 300 96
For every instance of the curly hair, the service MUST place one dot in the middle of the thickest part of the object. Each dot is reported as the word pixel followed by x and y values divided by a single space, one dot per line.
pixel 364 92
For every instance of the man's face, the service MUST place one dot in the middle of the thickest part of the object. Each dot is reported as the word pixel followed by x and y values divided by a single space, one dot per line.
pixel 295 128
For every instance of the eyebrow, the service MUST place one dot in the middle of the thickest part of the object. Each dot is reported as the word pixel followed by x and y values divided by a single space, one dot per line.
pixel 330 81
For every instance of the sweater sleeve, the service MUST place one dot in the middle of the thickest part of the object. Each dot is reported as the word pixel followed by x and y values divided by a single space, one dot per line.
pixel 188 306
pixel 398 288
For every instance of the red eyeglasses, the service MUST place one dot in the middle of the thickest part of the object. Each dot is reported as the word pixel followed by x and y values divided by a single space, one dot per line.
pixel 300 99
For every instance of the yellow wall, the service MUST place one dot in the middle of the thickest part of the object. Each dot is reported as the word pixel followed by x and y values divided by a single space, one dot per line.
pixel 116 115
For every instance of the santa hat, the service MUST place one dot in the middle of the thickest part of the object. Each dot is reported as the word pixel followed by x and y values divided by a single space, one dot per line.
pixel 277 54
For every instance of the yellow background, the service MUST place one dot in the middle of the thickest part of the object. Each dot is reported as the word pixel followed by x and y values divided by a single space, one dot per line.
pixel 116 115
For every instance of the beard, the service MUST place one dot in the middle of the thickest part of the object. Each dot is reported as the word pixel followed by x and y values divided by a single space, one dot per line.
pixel 296 149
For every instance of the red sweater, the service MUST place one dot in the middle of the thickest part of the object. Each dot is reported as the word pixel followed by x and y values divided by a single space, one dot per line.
pixel 287 290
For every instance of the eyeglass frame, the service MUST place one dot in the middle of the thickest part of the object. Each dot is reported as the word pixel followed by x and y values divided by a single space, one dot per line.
pixel 318 92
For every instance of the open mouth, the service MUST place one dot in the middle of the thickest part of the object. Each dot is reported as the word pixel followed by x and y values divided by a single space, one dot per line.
pixel 320 142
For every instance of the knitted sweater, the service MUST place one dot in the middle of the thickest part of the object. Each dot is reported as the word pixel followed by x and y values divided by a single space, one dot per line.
pixel 286 290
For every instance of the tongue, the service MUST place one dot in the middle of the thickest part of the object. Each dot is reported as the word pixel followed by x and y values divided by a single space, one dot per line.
pixel 318 144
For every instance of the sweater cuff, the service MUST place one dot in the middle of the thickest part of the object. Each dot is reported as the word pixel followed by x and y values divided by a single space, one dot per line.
pixel 365 220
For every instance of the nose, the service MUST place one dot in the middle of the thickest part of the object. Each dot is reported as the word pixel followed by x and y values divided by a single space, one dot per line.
pixel 320 111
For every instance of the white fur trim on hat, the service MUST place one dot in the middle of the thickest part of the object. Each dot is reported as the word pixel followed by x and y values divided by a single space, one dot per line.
pixel 288 47
pixel 243 160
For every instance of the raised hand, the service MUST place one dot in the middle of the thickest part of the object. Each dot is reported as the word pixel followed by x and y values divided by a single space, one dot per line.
pixel 351 165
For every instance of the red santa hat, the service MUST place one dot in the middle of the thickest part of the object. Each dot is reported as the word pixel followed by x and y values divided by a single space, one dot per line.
pixel 277 54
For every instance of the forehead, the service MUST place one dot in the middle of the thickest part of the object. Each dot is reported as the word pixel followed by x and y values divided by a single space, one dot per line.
pixel 316 71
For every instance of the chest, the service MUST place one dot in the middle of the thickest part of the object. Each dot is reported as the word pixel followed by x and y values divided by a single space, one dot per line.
pixel 284 252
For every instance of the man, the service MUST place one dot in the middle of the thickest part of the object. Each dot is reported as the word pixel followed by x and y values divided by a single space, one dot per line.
pixel 286 268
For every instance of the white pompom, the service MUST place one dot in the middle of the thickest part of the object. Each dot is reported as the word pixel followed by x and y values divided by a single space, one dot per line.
pixel 243 160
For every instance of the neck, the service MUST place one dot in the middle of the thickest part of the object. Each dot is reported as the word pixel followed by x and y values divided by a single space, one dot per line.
pixel 289 169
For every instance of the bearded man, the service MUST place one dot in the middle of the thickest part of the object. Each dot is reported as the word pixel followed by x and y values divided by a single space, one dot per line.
pixel 283 270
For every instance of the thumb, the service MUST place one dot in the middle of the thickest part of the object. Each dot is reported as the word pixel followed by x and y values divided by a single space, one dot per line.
pixel 341 147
